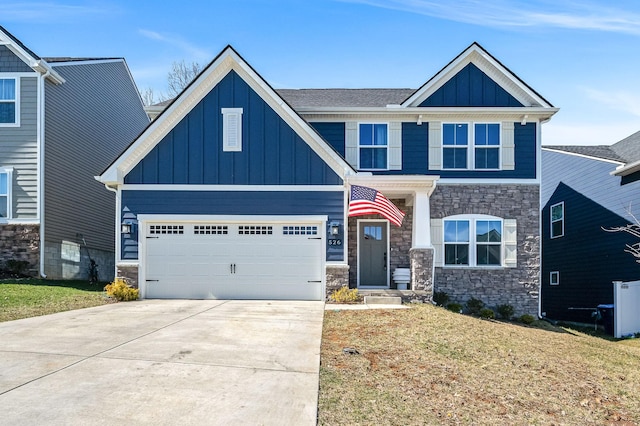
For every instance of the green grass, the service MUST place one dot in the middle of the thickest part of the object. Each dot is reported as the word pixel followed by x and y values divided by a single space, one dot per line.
pixel 24 298
pixel 426 365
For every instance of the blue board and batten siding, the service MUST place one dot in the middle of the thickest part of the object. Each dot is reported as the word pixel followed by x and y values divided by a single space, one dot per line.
pixel 267 203
pixel 192 154
pixel 471 87
pixel 272 152
pixel 415 151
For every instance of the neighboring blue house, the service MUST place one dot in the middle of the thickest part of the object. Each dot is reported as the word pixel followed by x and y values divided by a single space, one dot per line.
pixel 586 189
pixel 237 190
pixel 62 120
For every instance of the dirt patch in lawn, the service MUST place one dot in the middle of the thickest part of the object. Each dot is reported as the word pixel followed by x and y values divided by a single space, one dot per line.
pixel 426 365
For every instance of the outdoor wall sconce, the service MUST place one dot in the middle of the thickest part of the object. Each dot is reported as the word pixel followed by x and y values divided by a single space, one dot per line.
pixel 125 228
pixel 334 228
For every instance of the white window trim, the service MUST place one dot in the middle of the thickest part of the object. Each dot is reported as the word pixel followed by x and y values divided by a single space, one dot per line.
pixel 9 172
pixel 551 221
pixel 556 275
pixel 227 131
pixel 472 219
pixel 17 99
pixel 373 146
pixel 471 146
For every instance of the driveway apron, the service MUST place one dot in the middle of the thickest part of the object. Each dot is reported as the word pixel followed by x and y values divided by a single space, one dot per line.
pixel 185 362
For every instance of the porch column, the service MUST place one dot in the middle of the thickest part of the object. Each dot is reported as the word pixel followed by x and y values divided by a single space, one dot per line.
pixel 421 252
pixel 421 234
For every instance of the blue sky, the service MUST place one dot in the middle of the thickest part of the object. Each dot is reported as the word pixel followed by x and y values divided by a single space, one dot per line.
pixel 583 56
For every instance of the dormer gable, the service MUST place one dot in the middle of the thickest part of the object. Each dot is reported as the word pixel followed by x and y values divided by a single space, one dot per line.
pixel 475 79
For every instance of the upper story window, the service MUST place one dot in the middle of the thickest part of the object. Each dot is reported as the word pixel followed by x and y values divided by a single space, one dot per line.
pixel 557 220
pixel 8 101
pixel 372 146
pixel 473 242
pixel 5 193
pixel 457 152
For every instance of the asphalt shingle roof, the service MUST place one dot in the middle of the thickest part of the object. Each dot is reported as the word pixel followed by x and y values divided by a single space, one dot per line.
pixel 598 151
pixel 318 98
pixel 628 148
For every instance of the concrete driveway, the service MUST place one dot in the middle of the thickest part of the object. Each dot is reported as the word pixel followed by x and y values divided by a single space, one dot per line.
pixel 156 362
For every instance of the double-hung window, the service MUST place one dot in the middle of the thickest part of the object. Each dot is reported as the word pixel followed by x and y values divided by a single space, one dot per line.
pixel 459 154
pixel 487 146
pixel 5 193
pixel 455 145
pixel 473 242
pixel 373 144
pixel 557 220
pixel 8 101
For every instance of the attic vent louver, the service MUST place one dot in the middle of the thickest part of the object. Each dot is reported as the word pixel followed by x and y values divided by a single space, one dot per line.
pixel 232 129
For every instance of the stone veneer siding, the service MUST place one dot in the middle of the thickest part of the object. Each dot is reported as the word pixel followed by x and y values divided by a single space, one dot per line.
pixel 21 243
pixel 422 269
pixel 517 286
pixel 129 273
pixel 399 242
pixel 336 276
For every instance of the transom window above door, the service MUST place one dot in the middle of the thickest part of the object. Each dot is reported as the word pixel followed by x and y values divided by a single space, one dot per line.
pixel 373 144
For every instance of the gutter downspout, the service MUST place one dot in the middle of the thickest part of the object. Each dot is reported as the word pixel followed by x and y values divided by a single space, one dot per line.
pixel 41 132
pixel 539 136
pixel 117 253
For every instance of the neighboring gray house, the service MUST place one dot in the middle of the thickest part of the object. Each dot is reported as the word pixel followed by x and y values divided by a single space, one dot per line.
pixel 62 120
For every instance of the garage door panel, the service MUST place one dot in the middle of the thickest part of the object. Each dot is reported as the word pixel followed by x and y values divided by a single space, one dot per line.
pixel 234 261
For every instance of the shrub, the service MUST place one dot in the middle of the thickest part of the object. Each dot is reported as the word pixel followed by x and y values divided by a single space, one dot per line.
pixel 345 295
pixel 17 267
pixel 527 319
pixel 121 291
pixel 487 313
pixel 455 307
pixel 474 306
pixel 440 298
pixel 505 311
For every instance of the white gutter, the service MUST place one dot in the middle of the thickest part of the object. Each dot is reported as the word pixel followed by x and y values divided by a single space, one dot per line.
pixel 626 169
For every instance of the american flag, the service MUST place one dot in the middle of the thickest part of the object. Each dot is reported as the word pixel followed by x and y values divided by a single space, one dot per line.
pixel 365 200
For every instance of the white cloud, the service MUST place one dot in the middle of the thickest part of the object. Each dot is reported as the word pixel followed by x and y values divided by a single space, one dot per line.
pixel 519 13
pixel 618 100
pixel 584 133
pixel 189 50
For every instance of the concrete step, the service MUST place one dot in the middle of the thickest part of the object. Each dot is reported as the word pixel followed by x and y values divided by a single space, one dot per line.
pixel 382 300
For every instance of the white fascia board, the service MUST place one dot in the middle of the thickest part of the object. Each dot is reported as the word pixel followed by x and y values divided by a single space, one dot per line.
pixel 590 157
pixel 255 188
pixel 486 63
pixel 36 64
pixel 396 184
pixel 626 170
pixel 227 61
pixel 487 181
pixel 517 114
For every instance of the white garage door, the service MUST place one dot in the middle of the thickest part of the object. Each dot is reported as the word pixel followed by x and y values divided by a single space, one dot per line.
pixel 234 261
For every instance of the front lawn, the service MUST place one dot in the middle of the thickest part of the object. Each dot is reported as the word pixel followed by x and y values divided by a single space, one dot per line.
pixel 426 365
pixel 23 298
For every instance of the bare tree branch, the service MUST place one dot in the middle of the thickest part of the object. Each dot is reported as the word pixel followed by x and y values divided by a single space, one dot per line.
pixel 632 229
pixel 181 75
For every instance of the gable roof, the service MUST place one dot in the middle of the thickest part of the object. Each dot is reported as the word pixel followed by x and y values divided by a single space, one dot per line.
pixel 204 82
pixel 493 68
pixel 28 57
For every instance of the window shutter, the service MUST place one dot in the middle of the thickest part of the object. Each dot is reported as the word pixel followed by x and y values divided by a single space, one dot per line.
pixel 437 240
pixel 508 146
pixel 510 243
pixel 435 145
pixel 351 143
pixel 232 129
pixel 395 145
